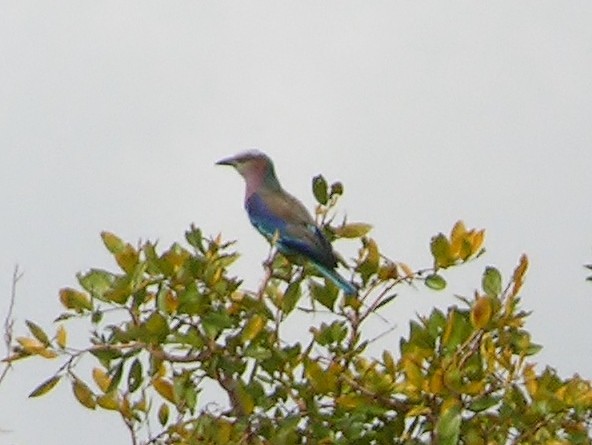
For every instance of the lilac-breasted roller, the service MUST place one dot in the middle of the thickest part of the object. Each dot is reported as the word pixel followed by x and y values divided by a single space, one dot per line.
pixel 276 213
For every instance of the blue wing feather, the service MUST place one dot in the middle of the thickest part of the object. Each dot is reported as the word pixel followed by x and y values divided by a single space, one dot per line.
pixel 297 234
pixel 294 238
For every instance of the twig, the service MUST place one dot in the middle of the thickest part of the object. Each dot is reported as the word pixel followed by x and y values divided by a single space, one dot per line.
pixel 267 264
pixel 9 320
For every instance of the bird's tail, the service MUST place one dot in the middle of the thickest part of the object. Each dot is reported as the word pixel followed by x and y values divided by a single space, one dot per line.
pixel 347 287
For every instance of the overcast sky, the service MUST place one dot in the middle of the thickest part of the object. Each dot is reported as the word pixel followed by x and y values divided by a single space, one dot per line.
pixel 112 114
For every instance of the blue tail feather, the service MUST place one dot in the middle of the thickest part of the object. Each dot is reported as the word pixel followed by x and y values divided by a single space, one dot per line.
pixel 347 287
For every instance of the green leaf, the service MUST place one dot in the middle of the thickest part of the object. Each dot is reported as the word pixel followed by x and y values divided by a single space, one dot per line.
pixel 215 322
pixel 436 323
pixel 441 251
pixel 319 189
pixel 106 354
pixel 258 352
pixel 113 243
pixel 134 377
pixel 435 282
pixel 245 401
pixel 369 266
pixel 157 328
pixel 448 425
pixel 533 349
pixel 385 301
pixel 194 238
pixel 96 316
pixel 336 188
pixel 96 282
pixel 352 230
pixel 483 403
pixel 46 386
pixel 120 291
pixel 37 332
pixel 325 295
pixel 190 397
pixel 191 301
pixel 491 282
pixel 291 297
pixel 328 334
pixel 163 414
pixel 116 378
pixel 458 328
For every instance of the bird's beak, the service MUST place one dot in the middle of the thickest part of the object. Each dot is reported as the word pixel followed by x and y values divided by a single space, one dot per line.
pixel 227 161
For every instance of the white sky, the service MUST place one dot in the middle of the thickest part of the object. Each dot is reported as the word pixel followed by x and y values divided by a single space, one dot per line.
pixel 112 114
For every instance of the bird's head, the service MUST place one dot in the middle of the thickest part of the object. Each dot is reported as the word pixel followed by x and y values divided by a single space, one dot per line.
pixel 254 166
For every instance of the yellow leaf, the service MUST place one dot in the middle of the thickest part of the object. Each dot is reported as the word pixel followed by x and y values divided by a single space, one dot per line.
pixel 83 394
pixel 437 382
pixel 350 401
pixel 125 408
pixel 448 404
pixel 112 242
pixel 477 241
pixel 35 347
pixel 388 271
pixel 323 381
pixel 171 302
pixel 530 380
pixel 521 268
pixel 127 258
pixel 16 356
pixel 223 431
pixel 73 299
pixel 457 237
pixel 252 328
pixel 481 312
pixel 47 353
pixel 165 389
pixel 61 336
pixel 474 388
pixel 450 321
pixel 373 257
pixel 142 404
pixel 518 276
pixel 389 362
pixel 353 230
pixel 245 400
pixel 418 410
pixel 413 372
pixel 162 370
pixel 101 379
pixel 45 387
pixel 108 401
pixel 31 345
pixel 408 272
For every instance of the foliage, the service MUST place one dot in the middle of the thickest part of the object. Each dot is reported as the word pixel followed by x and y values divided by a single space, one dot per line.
pixel 167 324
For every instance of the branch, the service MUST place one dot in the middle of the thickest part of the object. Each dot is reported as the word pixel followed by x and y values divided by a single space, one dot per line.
pixel 9 321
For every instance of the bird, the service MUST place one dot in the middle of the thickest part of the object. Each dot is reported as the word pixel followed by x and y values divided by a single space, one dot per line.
pixel 282 219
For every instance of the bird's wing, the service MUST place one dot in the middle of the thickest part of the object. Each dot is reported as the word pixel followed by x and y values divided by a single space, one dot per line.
pixel 281 213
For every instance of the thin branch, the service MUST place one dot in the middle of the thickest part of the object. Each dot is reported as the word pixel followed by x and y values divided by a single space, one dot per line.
pixel 9 321
pixel 267 264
